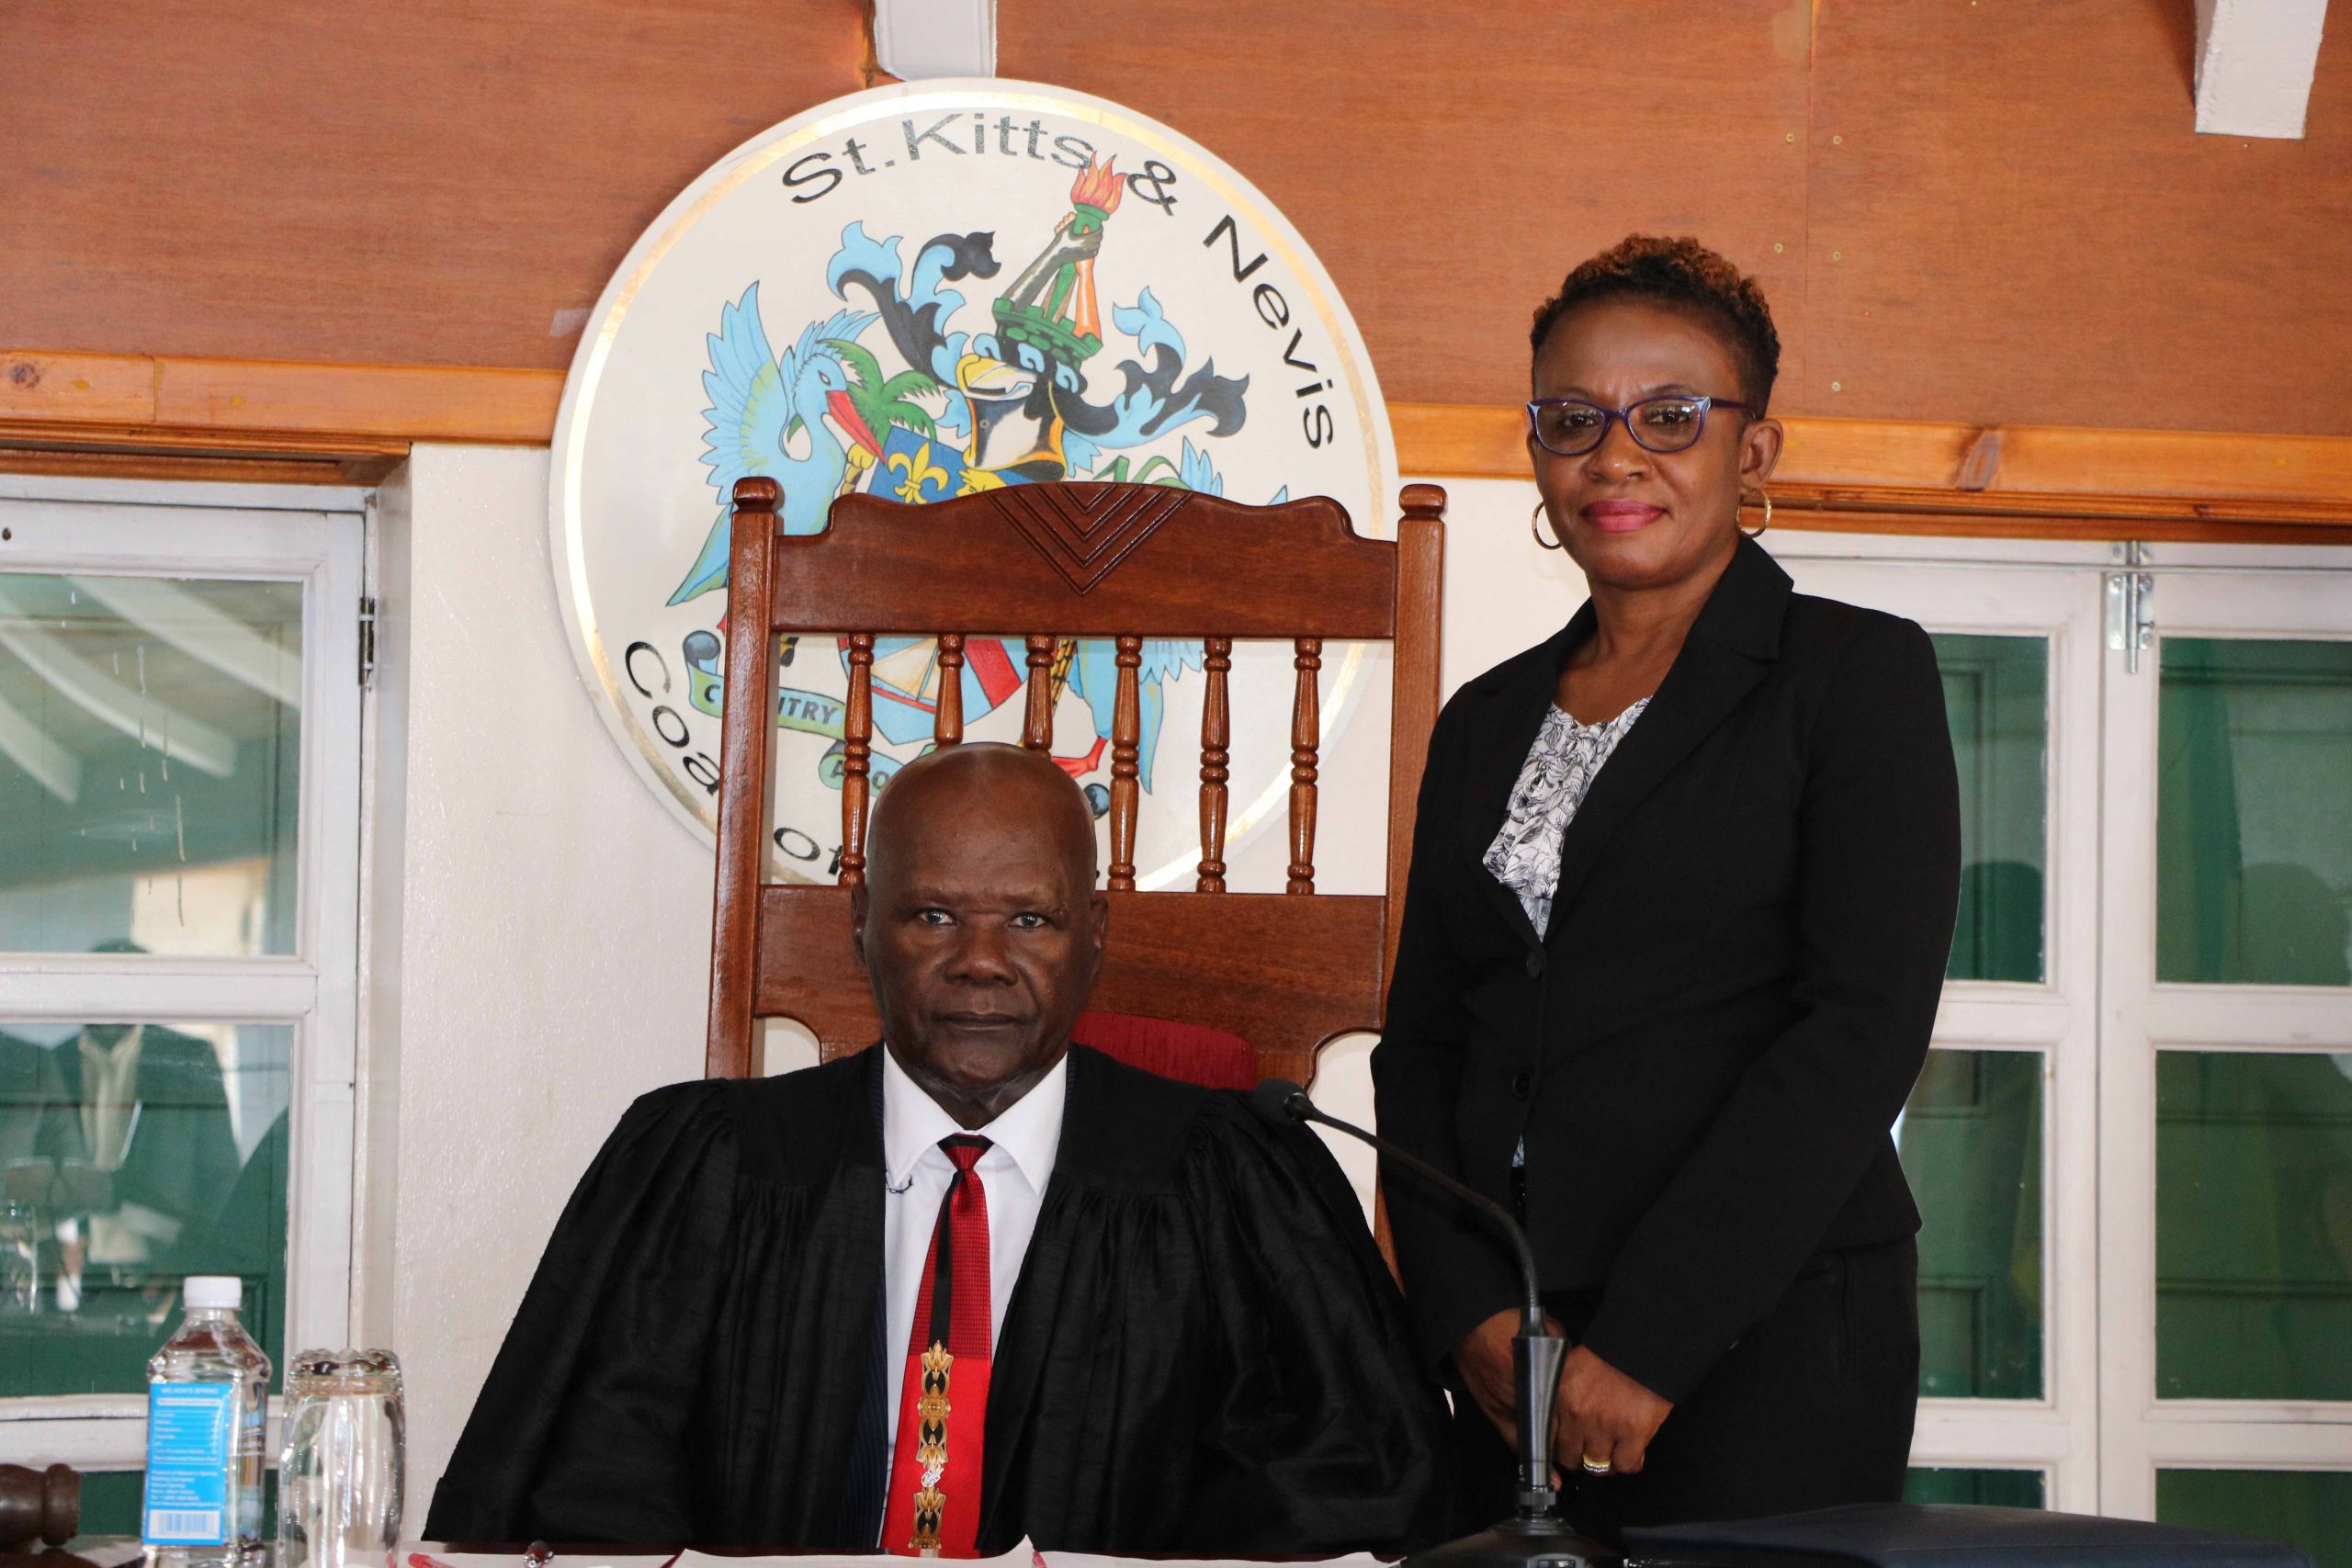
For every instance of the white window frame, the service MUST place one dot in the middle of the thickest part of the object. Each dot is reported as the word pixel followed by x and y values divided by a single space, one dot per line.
pixel 1950 586
pixel 2100 1435
pixel 2199 591
pixel 315 535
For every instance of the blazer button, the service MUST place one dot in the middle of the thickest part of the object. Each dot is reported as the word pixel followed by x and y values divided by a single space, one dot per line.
pixel 1523 1083
pixel 1535 967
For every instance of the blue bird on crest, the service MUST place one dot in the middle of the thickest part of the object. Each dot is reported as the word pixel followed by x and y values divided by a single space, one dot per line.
pixel 767 415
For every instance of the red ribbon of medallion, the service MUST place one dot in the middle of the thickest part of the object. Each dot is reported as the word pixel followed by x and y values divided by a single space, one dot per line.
pixel 934 1507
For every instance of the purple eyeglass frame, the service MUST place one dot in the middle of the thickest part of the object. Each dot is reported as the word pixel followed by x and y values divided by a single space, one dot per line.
pixel 1624 417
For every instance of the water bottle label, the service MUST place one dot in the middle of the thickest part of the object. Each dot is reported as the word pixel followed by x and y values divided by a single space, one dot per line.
pixel 191 1433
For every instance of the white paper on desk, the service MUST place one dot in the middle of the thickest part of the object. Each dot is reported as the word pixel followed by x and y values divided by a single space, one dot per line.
pixel 425 1554
pixel 1084 1560
pixel 109 1553
pixel 1021 1556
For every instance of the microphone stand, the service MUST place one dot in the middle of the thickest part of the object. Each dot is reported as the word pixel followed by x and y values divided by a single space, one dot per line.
pixel 1534 1534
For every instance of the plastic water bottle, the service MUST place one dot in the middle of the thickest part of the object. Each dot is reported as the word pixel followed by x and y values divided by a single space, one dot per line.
pixel 208 1399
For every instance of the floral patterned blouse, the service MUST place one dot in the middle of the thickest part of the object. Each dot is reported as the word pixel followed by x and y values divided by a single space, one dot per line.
pixel 1552 781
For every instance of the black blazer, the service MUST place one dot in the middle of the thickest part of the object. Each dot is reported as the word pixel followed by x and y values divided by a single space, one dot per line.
pixel 1746 945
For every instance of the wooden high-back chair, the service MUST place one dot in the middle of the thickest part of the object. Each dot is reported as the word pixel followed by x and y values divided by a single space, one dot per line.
pixel 1286 971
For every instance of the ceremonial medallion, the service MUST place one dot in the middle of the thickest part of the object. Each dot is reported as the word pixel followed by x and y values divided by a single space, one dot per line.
pixel 923 291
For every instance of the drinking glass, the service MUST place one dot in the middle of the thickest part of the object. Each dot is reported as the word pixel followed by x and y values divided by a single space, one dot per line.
pixel 341 1469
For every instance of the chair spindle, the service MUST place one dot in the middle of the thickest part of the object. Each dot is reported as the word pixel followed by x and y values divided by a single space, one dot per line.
pixel 857 758
pixel 947 720
pixel 1037 724
pixel 1217 735
pixel 1305 741
pixel 1126 747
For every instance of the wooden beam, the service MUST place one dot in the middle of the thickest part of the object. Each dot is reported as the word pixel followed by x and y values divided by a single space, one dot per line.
pixel 70 410
pixel 1857 508
pixel 250 400
pixel 415 402
pixel 97 389
pixel 1963 463
pixel 208 467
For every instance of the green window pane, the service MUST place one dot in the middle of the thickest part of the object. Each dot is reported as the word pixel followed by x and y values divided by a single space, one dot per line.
pixel 134 1157
pixel 1997 694
pixel 150 745
pixel 2254 815
pixel 2312 1509
pixel 1992 1488
pixel 1970 1142
pixel 110 1501
pixel 2253 1225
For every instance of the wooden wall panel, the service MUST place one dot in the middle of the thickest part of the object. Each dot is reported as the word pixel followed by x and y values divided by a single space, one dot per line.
pixel 430 182
pixel 2013 222
pixel 1985 212
pixel 1993 211
pixel 1449 163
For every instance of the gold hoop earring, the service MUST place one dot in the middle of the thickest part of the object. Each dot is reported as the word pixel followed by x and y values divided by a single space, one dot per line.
pixel 1766 496
pixel 1532 527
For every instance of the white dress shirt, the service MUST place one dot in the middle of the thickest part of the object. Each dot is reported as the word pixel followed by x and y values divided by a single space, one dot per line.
pixel 130 1232
pixel 111 1095
pixel 1013 1173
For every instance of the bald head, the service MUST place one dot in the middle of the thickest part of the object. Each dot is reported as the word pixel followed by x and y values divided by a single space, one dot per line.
pixel 978 922
pixel 962 785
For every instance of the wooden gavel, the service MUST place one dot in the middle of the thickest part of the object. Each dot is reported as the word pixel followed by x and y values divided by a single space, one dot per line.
pixel 39 1503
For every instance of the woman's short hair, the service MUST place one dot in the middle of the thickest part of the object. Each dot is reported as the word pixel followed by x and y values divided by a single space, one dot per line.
pixel 1684 275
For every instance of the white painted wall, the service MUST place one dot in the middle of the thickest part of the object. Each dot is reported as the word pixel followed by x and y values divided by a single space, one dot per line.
pixel 553 927
pixel 1502 594
pixel 539 923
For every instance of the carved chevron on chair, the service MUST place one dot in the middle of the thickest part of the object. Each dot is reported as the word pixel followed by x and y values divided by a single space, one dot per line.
pixel 1085 530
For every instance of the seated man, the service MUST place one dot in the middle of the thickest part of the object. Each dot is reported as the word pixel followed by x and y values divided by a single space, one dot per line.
pixel 978 1284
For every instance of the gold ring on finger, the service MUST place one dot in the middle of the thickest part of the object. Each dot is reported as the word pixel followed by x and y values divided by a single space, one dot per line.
pixel 1597 1466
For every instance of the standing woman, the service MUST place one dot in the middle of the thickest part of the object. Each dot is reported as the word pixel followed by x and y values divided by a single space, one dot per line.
pixel 1681 895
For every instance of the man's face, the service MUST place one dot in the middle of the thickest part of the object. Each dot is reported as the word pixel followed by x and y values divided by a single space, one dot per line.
pixel 980 931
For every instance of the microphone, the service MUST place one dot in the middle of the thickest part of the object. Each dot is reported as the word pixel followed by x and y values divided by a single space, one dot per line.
pixel 1281 1100
pixel 1534 1534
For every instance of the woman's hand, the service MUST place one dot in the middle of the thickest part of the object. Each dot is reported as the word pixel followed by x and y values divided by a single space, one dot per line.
pixel 1599 1413
pixel 1484 1360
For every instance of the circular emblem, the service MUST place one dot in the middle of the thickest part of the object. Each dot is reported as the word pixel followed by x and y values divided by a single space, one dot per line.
pixel 923 291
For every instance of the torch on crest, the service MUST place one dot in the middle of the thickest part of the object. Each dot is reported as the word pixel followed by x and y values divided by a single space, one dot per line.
pixel 1051 305
pixel 1098 185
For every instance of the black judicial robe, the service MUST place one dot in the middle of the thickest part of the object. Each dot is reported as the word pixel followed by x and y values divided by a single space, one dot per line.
pixel 1204 1355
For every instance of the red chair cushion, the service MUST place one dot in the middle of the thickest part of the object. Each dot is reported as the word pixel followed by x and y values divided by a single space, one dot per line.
pixel 1190 1053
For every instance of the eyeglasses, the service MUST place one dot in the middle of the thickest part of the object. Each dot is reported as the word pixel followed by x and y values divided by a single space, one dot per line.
pixel 1571 426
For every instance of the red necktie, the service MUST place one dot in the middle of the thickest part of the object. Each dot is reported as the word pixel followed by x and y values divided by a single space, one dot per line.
pixel 934 1507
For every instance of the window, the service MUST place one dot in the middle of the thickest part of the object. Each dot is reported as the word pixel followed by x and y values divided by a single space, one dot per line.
pixel 179 810
pixel 2133 1142
pixel 2226 1087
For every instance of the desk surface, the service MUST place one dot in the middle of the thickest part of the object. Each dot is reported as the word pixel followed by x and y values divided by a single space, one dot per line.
pixel 119 1551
